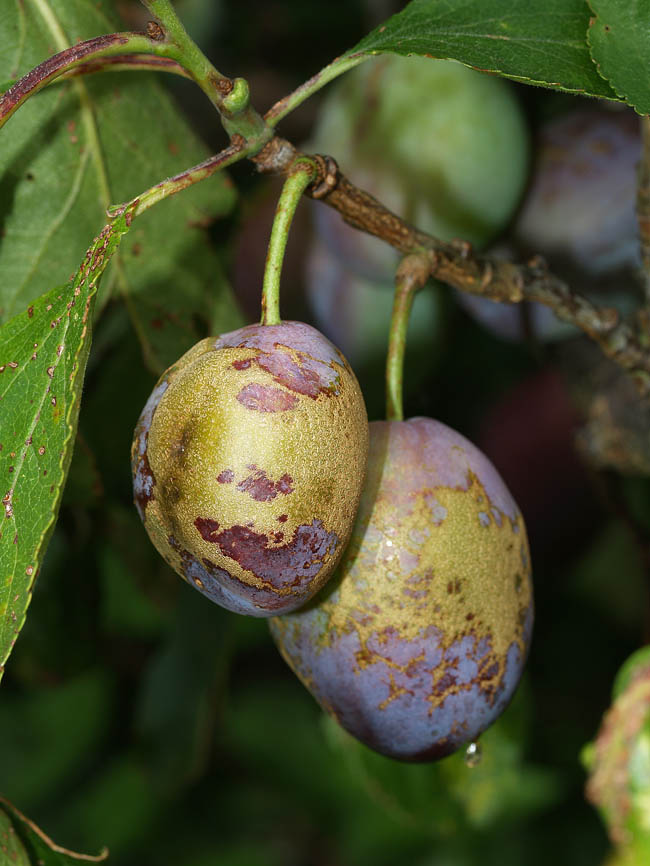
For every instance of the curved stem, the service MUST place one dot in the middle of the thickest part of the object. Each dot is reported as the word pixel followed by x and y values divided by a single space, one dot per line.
pixel 412 274
pixel 230 98
pixel 288 103
pixel 126 63
pixel 181 181
pixel 215 85
pixel 302 174
pixel 92 50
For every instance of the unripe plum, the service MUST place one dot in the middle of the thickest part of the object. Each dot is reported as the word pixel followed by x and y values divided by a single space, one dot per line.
pixel 440 144
pixel 418 642
pixel 248 461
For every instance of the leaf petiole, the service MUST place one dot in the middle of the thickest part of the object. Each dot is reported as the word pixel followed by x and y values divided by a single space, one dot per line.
pixel 178 182
pixel 75 59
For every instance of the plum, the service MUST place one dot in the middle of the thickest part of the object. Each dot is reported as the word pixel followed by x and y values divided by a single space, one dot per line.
pixel 580 214
pixel 441 145
pixel 581 205
pixel 418 642
pixel 355 312
pixel 248 462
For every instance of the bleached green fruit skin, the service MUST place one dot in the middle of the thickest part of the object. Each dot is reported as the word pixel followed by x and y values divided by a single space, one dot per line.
pixel 248 462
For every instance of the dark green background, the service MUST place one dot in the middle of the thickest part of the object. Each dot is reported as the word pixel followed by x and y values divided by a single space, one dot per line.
pixel 135 714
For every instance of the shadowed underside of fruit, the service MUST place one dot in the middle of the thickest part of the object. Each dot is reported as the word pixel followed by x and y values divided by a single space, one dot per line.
pixel 418 643
pixel 248 461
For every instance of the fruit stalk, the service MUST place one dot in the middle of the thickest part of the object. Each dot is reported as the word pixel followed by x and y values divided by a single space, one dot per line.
pixel 412 274
pixel 302 174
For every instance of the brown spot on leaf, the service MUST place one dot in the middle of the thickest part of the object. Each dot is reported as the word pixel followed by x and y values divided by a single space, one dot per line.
pixel 266 398
pixel 226 477
pixel 243 364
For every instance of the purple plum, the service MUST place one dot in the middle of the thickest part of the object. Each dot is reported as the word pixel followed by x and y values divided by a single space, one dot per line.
pixel 419 641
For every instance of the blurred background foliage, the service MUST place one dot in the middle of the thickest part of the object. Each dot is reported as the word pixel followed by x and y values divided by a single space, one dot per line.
pixel 137 715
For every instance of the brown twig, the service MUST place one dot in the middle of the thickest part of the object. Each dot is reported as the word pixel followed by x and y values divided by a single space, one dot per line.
pixel 459 266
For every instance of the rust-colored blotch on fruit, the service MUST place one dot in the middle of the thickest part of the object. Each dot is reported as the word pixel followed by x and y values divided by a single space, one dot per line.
pixel 418 642
pixel 248 462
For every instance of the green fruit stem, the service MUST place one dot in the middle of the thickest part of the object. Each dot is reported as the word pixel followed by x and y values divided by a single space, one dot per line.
pixel 411 276
pixel 302 173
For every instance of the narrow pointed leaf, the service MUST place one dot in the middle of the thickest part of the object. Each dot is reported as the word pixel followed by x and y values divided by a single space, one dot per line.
pixel 43 353
pixel 11 844
pixel 32 847
pixel 619 37
pixel 537 43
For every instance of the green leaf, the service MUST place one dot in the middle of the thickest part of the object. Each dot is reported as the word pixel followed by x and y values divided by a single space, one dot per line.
pixel 537 43
pixel 81 145
pixel 31 846
pixel 11 845
pixel 43 354
pixel 619 38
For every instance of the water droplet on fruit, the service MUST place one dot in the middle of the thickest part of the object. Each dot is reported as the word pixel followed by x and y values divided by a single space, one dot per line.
pixel 473 755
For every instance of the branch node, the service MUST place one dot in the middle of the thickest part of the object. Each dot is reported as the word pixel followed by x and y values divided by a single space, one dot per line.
pixel 538 264
pixel 486 276
pixel 464 248
pixel 329 176
pixel 275 157
pixel 155 31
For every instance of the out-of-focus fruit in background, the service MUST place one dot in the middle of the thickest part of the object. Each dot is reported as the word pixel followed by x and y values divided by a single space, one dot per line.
pixel 439 144
pixel 579 213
